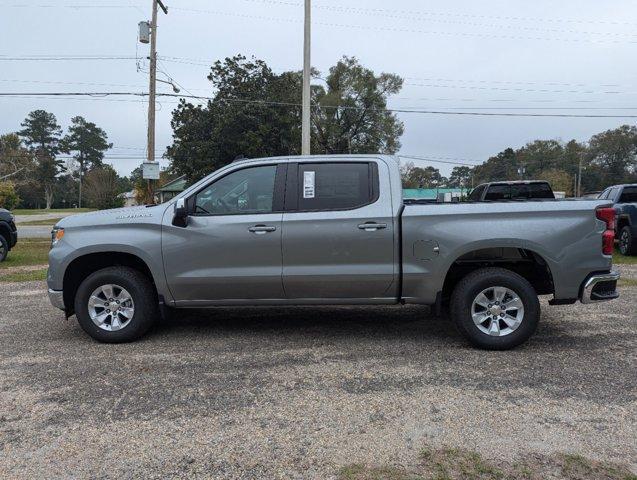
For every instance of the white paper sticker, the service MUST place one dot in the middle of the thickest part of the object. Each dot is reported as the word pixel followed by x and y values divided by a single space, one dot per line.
pixel 308 184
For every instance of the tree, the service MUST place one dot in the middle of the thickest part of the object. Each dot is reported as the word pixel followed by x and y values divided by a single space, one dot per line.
pixel 416 177
pixel 255 113
pixel 540 155
pixel 612 156
pixel 503 166
pixel 560 180
pixel 241 119
pixel 461 178
pixel 350 115
pixel 101 188
pixel 41 133
pixel 8 197
pixel 87 142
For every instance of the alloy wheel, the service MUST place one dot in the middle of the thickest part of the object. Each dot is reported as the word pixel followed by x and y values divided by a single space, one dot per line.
pixel 497 311
pixel 111 307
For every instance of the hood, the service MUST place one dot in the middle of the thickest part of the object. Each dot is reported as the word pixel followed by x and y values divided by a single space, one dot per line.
pixel 4 213
pixel 120 216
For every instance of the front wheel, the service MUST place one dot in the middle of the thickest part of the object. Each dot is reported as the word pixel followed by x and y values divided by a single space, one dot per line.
pixel 627 243
pixel 116 304
pixel 495 308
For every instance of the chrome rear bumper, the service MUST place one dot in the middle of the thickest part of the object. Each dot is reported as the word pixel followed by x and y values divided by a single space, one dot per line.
pixel 56 297
pixel 600 288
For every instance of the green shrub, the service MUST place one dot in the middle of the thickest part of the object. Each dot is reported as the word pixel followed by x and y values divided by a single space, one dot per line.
pixel 8 197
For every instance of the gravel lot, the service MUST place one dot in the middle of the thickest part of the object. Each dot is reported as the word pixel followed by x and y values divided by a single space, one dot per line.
pixel 299 392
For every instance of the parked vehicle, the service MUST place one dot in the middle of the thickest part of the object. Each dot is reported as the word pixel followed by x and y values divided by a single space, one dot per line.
pixel 514 190
pixel 624 197
pixel 8 233
pixel 330 230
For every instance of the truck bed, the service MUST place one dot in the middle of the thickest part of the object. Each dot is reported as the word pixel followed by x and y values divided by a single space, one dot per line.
pixel 565 234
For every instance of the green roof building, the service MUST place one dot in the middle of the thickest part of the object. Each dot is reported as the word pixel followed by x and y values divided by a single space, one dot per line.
pixel 172 188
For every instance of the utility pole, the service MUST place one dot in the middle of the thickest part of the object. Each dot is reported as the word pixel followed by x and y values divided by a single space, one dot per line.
pixel 579 175
pixel 153 89
pixel 307 66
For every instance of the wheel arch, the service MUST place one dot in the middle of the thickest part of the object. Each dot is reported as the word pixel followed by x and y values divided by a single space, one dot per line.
pixel 524 261
pixel 84 265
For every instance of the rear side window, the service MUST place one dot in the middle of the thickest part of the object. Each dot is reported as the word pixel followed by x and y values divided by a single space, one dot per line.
pixel 629 195
pixel 498 192
pixel 334 186
pixel 540 190
pixel 476 194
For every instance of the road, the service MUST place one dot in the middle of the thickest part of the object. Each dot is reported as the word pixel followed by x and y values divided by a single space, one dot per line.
pixel 299 392
pixel 35 231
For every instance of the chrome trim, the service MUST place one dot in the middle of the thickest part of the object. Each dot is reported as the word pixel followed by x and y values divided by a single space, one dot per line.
pixel 56 297
pixel 594 280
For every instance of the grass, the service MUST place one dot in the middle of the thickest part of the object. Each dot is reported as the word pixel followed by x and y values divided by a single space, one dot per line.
pixel 45 222
pixel 457 464
pixel 28 251
pixel 29 276
pixel 42 211
pixel 620 259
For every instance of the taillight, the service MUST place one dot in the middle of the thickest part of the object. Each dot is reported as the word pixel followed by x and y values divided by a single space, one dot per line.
pixel 607 215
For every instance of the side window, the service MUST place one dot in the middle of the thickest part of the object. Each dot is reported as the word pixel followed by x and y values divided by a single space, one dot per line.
pixel 250 190
pixel 604 194
pixel 498 192
pixel 629 195
pixel 334 186
pixel 540 190
pixel 476 194
pixel 520 191
pixel 614 193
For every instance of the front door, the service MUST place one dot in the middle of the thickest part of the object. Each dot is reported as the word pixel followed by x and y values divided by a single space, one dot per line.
pixel 231 246
pixel 338 232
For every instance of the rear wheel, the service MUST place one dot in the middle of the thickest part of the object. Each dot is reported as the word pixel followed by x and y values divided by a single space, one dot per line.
pixel 495 308
pixel 4 248
pixel 627 243
pixel 116 304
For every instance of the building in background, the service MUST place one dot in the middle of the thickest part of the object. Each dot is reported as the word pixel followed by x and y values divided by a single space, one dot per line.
pixel 171 189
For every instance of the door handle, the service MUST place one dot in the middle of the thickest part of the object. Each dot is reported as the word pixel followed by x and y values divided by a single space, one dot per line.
pixel 372 226
pixel 261 229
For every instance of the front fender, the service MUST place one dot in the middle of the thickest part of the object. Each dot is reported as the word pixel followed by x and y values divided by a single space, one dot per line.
pixel 142 241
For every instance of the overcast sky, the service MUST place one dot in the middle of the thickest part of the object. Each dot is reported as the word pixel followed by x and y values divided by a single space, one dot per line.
pixel 575 57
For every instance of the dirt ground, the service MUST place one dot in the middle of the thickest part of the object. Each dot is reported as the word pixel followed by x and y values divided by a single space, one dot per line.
pixel 302 392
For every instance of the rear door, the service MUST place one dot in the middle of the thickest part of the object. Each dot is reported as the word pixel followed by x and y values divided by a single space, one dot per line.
pixel 338 231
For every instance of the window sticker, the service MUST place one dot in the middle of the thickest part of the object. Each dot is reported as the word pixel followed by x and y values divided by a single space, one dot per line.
pixel 309 184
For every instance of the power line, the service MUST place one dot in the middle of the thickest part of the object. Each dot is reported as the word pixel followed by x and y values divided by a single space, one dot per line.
pixel 322 107
pixel 413 13
pixel 402 29
pixel 52 58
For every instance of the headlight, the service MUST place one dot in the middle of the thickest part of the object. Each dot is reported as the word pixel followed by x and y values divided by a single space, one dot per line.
pixel 56 235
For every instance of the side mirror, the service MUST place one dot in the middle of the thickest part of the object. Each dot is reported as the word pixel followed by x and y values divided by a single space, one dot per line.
pixel 180 218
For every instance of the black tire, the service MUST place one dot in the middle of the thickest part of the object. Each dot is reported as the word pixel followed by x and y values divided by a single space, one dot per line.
pixel 4 248
pixel 627 243
pixel 476 282
pixel 142 292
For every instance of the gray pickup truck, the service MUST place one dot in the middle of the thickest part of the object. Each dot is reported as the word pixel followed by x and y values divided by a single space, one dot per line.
pixel 330 230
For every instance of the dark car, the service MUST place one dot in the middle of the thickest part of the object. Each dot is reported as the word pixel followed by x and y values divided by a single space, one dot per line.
pixel 625 199
pixel 8 233
pixel 513 190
